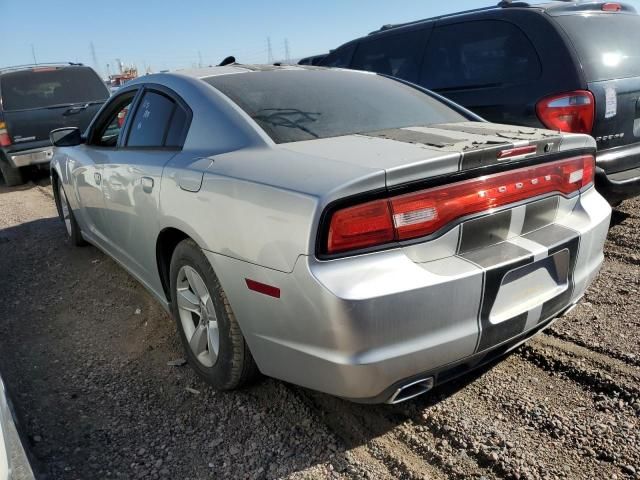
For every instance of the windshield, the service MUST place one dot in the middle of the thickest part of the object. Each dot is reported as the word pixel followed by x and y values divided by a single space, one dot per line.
pixel 607 44
pixel 293 106
pixel 46 87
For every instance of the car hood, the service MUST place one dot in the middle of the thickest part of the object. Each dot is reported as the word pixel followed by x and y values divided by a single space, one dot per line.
pixel 412 153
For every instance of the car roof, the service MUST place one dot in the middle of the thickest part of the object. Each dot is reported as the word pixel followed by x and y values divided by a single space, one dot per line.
pixel 236 68
pixel 559 7
pixel 36 66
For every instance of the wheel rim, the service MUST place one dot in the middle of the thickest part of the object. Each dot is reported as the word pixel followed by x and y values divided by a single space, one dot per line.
pixel 198 316
pixel 64 207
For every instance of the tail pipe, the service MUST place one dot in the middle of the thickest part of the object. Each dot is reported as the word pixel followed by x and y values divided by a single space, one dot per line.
pixel 411 390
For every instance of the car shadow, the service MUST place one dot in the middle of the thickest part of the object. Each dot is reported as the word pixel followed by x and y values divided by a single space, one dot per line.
pixel 91 381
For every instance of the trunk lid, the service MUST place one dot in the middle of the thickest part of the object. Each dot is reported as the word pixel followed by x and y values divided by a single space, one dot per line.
pixel 416 153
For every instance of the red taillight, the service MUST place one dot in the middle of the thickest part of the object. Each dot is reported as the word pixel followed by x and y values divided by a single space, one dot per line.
pixel 569 112
pixel 5 139
pixel 361 226
pixel 611 7
pixel 423 213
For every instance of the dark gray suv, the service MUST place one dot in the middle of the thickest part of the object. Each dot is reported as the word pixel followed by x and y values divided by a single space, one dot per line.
pixel 36 99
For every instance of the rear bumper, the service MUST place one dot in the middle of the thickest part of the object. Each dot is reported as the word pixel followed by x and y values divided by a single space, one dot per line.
pixel 25 158
pixel 360 327
pixel 618 173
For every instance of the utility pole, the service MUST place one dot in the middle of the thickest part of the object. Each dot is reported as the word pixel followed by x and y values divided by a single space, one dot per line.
pixel 96 65
pixel 287 56
pixel 33 52
pixel 269 51
pixel 199 59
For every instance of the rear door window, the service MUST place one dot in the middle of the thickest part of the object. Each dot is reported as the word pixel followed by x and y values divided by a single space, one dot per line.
pixel 608 45
pixel 43 87
pixel 398 55
pixel 151 121
pixel 482 53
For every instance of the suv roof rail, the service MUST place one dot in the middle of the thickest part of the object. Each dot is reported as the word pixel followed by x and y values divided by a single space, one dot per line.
pixel 502 4
pixel 36 65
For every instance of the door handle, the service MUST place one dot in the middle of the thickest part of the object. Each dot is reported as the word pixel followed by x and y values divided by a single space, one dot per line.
pixel 147 184
pixel 97 177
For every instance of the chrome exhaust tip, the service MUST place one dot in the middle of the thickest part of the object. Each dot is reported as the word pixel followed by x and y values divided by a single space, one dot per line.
pixel 411 390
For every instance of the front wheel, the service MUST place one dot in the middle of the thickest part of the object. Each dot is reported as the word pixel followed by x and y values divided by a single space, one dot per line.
pixel 210 334
pixel 68 218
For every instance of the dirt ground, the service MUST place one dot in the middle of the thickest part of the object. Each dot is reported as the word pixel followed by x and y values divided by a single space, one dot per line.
pixel 84 351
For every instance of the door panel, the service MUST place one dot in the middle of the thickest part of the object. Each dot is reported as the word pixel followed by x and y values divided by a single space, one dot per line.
pixel 131 188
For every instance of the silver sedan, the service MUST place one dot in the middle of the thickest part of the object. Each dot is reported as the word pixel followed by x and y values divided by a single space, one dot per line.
pixel 340 230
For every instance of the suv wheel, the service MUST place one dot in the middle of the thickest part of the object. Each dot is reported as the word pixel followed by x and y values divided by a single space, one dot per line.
pixel 12 176
pixel 210 334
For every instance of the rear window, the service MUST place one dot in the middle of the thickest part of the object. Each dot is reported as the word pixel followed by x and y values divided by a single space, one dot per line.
pixel 47 87
pixel 481 53
pixel 293 106
pixel 397 55
pixel 608 45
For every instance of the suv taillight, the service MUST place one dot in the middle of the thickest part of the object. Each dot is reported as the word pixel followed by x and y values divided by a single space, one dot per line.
pixel 423 213
pixel 5 140
pixel 570 112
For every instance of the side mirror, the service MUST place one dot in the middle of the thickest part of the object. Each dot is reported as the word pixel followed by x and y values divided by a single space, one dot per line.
pixel 66 137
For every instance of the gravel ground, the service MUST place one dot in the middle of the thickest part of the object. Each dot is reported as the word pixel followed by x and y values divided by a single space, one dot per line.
pixel 84 350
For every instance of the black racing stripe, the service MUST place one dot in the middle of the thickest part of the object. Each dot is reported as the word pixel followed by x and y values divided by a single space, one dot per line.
pixel 482 157
pixel 539 214
pixel 497 132
pixel 496 334
pixel 554 306
pixel 411 136
pixel 551 235
pixel 497 255
pixel 485 231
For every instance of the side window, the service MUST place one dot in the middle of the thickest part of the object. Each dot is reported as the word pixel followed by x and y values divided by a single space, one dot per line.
pixel 151 121
pixel 479 54
pixel 340 58
pixel 397 55
pixel 177 128
pixel 109 125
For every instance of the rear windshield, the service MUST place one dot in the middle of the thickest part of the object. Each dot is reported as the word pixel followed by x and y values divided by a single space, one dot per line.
pixel 293 106
pixel 608 45
pixel 46 87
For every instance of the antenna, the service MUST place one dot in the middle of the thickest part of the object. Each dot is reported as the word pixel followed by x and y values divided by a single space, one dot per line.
pixel 287 56
pixel 269 51
pixel 33 52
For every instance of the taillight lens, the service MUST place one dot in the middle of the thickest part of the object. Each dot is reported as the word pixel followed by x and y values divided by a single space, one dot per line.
pixel 611 7
pixel 425 212
pixel 570 112
pixel 5 140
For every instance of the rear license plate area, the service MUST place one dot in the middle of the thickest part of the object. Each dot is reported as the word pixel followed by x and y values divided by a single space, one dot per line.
pixel 527 287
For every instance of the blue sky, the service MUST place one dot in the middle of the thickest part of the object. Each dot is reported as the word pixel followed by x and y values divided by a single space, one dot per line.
pixel 168 34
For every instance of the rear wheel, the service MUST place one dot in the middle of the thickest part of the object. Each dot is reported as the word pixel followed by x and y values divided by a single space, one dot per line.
pixel 12 176
pixel 67 217
pixel 210 334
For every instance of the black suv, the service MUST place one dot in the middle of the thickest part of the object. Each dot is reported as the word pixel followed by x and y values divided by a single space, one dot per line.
pixel 36 99
pixel 571 66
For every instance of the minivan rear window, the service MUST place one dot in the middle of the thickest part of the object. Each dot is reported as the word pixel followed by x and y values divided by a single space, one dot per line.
pixel 482 53
pixel 297 105
pixel 49 86
pixel 608 44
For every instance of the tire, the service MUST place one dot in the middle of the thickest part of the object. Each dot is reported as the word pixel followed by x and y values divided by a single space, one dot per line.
pixel 12 176
pixel 210 334
pixel 68 218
